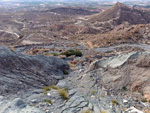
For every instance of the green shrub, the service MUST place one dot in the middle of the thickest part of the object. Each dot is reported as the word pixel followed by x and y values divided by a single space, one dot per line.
pixel 124 88
pixel 63 94
pixel 72 52
pixel 144 100
pixel 114 102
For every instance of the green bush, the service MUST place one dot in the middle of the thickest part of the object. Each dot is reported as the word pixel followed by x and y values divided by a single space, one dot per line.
pixel 72 52
pixel 144 100
pixel 124 88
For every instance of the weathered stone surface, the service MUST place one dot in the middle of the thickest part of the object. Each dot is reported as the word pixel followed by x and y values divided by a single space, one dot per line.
pixel 18 106
pixel 20 72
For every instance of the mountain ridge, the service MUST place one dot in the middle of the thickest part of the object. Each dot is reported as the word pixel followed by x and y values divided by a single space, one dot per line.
pixel 121 13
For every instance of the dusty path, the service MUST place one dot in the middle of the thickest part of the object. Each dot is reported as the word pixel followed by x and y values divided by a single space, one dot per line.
pixel 10 33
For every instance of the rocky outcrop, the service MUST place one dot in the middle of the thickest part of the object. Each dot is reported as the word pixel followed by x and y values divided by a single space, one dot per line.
pixel 126 70
pixel 20 72
pixel 17 106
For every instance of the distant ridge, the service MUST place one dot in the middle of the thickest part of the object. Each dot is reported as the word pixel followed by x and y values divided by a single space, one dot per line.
pixel 71 11
pixel 121 13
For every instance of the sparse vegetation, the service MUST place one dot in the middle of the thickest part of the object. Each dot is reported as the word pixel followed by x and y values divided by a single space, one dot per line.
pixel 114 102
pixel 72 52
pixel 124 88
pixel 123 109
pixel 63 94
pixel 55 54
pixel 12 49
pixel 88 111
pixel 65 72
pixel 144 100
pixel 72 66
pixel 102 96
pixel 48 101
pixel 46 89
pixel 141 92
pixel 66 88
pixel 54 87
pixel 93 92
pixel 47 54
pixel 103 111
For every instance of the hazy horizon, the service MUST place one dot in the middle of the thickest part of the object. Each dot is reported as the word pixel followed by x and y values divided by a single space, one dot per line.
pixel 71 0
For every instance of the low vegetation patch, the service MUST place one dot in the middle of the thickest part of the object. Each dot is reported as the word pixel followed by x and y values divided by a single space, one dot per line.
pixel 144 100
pixel 93 92
pixel 114 102
pixel 47 54
pixel 124 88
pixel 72 66
pixel 51 54
pixel 72 52
pixel 63 93
pixel 66 88
pixel 103 111
pixel 48 101
pixel 55 54
pixel 46 89
pixel 65 72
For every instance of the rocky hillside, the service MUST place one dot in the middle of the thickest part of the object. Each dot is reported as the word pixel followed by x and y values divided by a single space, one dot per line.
pixel 120 13
pixel 127 71
pixel 110 84
pixel 20 72
pixel 71 11
pixel 132 34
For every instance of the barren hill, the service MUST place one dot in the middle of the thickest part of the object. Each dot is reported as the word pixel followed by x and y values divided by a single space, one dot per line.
pixel 71 11
pixel 132 34
pixel 121 13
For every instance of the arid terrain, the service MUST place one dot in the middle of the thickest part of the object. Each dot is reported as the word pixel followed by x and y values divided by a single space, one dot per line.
pixel 74 58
